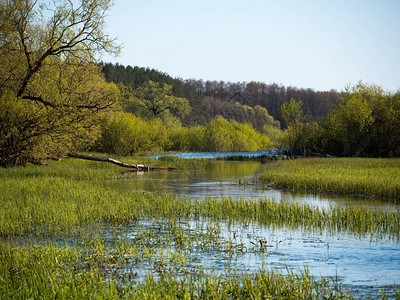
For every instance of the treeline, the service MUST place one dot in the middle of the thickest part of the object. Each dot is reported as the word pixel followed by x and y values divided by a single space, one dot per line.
pixel 364 122
pixel 209 99
pixel 269 96
pixel 142 87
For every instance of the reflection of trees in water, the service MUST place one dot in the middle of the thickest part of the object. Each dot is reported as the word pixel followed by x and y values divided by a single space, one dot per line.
pixel 187 174
pixel 222 169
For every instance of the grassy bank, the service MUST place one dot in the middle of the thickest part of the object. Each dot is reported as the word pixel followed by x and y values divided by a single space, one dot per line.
pixel 69 194
pixel 356 176
pixel 67 201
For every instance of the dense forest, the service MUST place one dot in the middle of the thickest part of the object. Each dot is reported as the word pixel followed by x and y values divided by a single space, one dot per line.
pixel 212 98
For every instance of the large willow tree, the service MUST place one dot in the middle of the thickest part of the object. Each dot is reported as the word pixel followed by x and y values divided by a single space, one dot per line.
pixel 51 90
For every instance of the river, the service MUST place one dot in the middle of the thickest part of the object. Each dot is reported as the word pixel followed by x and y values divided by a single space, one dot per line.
pixel 359 263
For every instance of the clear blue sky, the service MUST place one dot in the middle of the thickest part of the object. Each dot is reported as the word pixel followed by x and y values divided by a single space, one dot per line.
pixel 320 44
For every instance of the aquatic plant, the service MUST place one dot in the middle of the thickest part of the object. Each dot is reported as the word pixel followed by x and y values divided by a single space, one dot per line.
pixel 51 272
pixel 50 205
pixel 92 255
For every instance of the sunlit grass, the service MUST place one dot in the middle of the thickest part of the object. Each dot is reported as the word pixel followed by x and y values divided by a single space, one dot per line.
pixel 34 205
pixel 66 200
pixel 355 176
pixel 50 272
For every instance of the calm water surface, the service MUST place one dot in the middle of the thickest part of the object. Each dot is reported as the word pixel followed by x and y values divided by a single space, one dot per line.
pixel 358 262
pixel 218 178
pixel 361 263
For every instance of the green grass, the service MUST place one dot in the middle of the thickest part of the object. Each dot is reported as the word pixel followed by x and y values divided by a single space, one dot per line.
pixel 66 195
pixel 67 199
pixel 48 272
pixel 356 176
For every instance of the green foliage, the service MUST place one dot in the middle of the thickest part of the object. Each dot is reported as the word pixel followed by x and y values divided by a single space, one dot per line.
pixel 366 122
pixel 258 116
pixel 128 134
pixel 51 93
pixel 292 114
pixel 157 99
pixel 224 135
pixel 133 77
pixel 219 135
pixel 31 131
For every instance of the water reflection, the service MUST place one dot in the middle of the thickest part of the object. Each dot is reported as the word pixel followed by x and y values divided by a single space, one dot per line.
pixel 356 262
pixel 216 178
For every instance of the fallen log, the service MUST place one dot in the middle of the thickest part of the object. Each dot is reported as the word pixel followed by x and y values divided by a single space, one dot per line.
pixel 138 167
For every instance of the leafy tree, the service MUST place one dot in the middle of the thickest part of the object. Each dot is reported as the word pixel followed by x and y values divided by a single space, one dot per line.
pixel 365 122
pixel 157 99
pixel 133 77
pixel 293 115
pixel 51 93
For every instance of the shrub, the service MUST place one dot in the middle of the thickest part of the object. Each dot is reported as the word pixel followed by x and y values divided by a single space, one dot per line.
pixel 219 135
pixel 128 134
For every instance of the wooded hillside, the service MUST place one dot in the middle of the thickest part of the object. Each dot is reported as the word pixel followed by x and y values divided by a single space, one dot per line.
pixel 211 98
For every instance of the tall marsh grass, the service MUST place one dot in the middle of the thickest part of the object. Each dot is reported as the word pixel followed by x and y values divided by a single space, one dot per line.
pixel 35 202
pixel 356 176
pixel 48 272
pixel 68 199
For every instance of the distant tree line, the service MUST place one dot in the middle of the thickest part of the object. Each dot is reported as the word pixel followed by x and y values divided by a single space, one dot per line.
pixel 160 113
pixel 209 99
pixel 269 96
pixel 364 120
pixel 134 77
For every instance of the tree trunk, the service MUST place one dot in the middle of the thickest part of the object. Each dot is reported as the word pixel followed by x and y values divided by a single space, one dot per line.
pixel 138 167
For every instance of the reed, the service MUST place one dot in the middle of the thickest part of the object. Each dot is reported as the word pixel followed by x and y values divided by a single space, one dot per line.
pixel 49 272
pixel 50 205
pixel 356 220
pixel 67 200
pixel 356 176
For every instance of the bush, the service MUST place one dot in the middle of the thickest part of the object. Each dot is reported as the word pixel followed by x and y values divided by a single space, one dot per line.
pixel 219 135
pixel 128 134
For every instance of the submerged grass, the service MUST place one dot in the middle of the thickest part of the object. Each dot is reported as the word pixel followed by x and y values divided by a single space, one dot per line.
pixel 356 176
pixel 50 205
pixel 49 272
pixel 68 198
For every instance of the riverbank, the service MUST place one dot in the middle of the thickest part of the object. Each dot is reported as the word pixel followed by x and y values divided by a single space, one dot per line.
pixel 376 177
